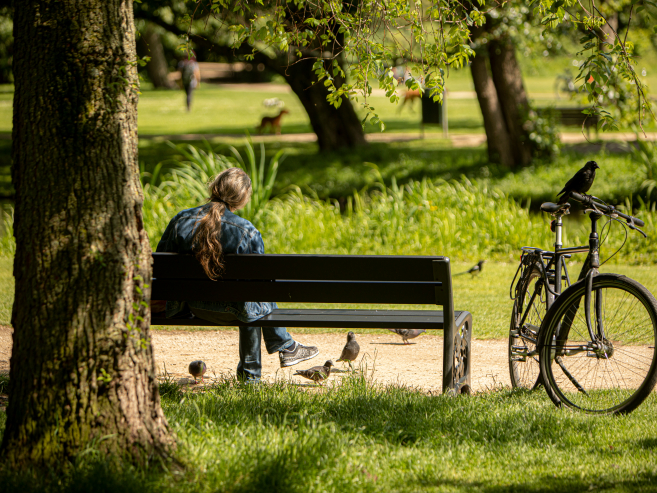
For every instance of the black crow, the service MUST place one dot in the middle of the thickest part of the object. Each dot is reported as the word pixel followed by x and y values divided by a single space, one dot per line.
pixel 581 182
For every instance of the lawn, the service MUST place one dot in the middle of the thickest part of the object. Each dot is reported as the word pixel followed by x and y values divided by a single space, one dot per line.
pixel 357 437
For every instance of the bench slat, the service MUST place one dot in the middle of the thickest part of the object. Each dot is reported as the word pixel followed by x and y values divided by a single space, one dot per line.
pixel 365 319
pixel 297 291
pixel 303 267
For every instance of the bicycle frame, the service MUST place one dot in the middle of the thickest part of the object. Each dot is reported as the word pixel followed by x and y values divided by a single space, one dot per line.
pixel 553 271
pixel 556 260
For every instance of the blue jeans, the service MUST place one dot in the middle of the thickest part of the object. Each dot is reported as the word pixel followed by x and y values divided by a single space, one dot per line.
pixel 250 366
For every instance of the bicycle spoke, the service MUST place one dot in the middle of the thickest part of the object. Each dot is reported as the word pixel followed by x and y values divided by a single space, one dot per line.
pixel 608 373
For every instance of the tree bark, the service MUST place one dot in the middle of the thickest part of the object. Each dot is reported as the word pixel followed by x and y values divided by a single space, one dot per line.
pixel 512 96
pixel 82 371
pixel 336 128
pixel 497 135
pixel 157 67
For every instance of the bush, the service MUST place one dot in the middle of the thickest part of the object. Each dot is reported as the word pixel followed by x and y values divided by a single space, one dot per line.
pixel 463 219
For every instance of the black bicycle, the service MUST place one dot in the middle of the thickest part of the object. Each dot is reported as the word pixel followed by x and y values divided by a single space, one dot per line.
pixel 590 343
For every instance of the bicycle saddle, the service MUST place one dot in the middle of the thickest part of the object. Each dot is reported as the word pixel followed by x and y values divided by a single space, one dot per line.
pixel 552 208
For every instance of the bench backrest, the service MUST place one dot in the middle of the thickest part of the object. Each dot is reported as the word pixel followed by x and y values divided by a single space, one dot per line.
pixel 307 278
pixel 574 116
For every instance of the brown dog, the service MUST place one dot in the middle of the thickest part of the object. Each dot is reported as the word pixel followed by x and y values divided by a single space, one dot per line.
pixel 409 97
pixel 273 121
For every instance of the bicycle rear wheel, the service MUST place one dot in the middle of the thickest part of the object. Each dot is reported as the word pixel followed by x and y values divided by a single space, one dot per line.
pixel 616 371
pixel 528 313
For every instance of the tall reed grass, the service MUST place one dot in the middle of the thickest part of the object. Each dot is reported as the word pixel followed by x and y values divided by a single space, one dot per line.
pixel 463 219
pixel 188 182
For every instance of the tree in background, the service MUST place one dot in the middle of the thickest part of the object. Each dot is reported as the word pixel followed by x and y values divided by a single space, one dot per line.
pixel 433 38
pixel 336 125
pixel 82 369
pixel 150 45
pixel 498 81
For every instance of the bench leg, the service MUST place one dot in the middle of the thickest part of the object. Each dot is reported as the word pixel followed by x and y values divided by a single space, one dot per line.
pixel 462 354
pixel 457 356
pixel 448 358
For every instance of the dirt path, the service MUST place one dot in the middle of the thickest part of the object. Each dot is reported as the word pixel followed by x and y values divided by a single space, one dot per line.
pixel 417 365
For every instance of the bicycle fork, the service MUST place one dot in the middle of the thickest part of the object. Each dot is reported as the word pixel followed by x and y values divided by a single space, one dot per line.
pixel 594 246
pixel 597 347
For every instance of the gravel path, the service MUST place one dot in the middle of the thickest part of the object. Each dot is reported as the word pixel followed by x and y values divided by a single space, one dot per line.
pixel 418 364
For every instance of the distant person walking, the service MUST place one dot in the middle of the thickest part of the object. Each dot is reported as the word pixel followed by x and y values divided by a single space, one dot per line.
pixel 190 76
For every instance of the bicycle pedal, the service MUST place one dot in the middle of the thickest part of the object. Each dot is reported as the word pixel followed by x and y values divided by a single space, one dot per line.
pixel 532 328
pixel 519 359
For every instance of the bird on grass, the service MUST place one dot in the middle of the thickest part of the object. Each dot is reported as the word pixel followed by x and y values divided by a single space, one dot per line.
pixel 407 334
pixel 350 350
pixel 317 373
pixel 580 183
pixel 197 369
pixel 474 270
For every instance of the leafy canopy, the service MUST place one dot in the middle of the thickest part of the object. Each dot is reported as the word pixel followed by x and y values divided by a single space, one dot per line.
pixel 428 37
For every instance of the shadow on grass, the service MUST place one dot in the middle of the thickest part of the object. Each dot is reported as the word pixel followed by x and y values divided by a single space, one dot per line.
pixel 337 174
pixel 541 484
pixel 96 477
pixel 392 413
pixel 354 436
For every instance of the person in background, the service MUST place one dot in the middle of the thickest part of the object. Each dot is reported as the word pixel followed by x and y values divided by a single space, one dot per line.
pixel 208 232
pixel 190 75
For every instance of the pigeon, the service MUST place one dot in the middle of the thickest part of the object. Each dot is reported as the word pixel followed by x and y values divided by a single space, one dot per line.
pixel 197 369
pixel 580 183
pixel 317 373
pixel 407 334
pixel 350 350
pixel 474 270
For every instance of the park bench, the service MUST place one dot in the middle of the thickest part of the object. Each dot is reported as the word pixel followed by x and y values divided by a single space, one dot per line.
pixel 329 279
pixel 575 117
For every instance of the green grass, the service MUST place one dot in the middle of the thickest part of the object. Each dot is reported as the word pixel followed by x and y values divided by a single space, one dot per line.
pixel 6 289
pixel 338 174
pixel 163 112
pixel 357 437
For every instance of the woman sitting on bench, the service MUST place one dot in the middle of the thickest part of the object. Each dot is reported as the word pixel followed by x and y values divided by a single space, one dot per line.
pixel 210 231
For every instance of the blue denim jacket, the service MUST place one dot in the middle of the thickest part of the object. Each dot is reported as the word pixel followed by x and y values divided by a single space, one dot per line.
pixel 237 236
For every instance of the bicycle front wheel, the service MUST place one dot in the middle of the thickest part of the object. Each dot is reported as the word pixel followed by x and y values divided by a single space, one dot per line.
pixel 614 371
pixel 528 313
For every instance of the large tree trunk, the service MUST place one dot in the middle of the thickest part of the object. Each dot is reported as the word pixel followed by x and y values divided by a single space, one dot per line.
pixel 497 136
pixel 512 96
pixel 157 67
pixel 336 128
pixel 82 364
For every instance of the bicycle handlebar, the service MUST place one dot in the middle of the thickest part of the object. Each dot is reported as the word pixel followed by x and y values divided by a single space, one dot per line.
pixel 587 200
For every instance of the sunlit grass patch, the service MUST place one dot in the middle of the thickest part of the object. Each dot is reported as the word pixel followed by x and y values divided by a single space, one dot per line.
pixel 354 435
pixel 398 439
